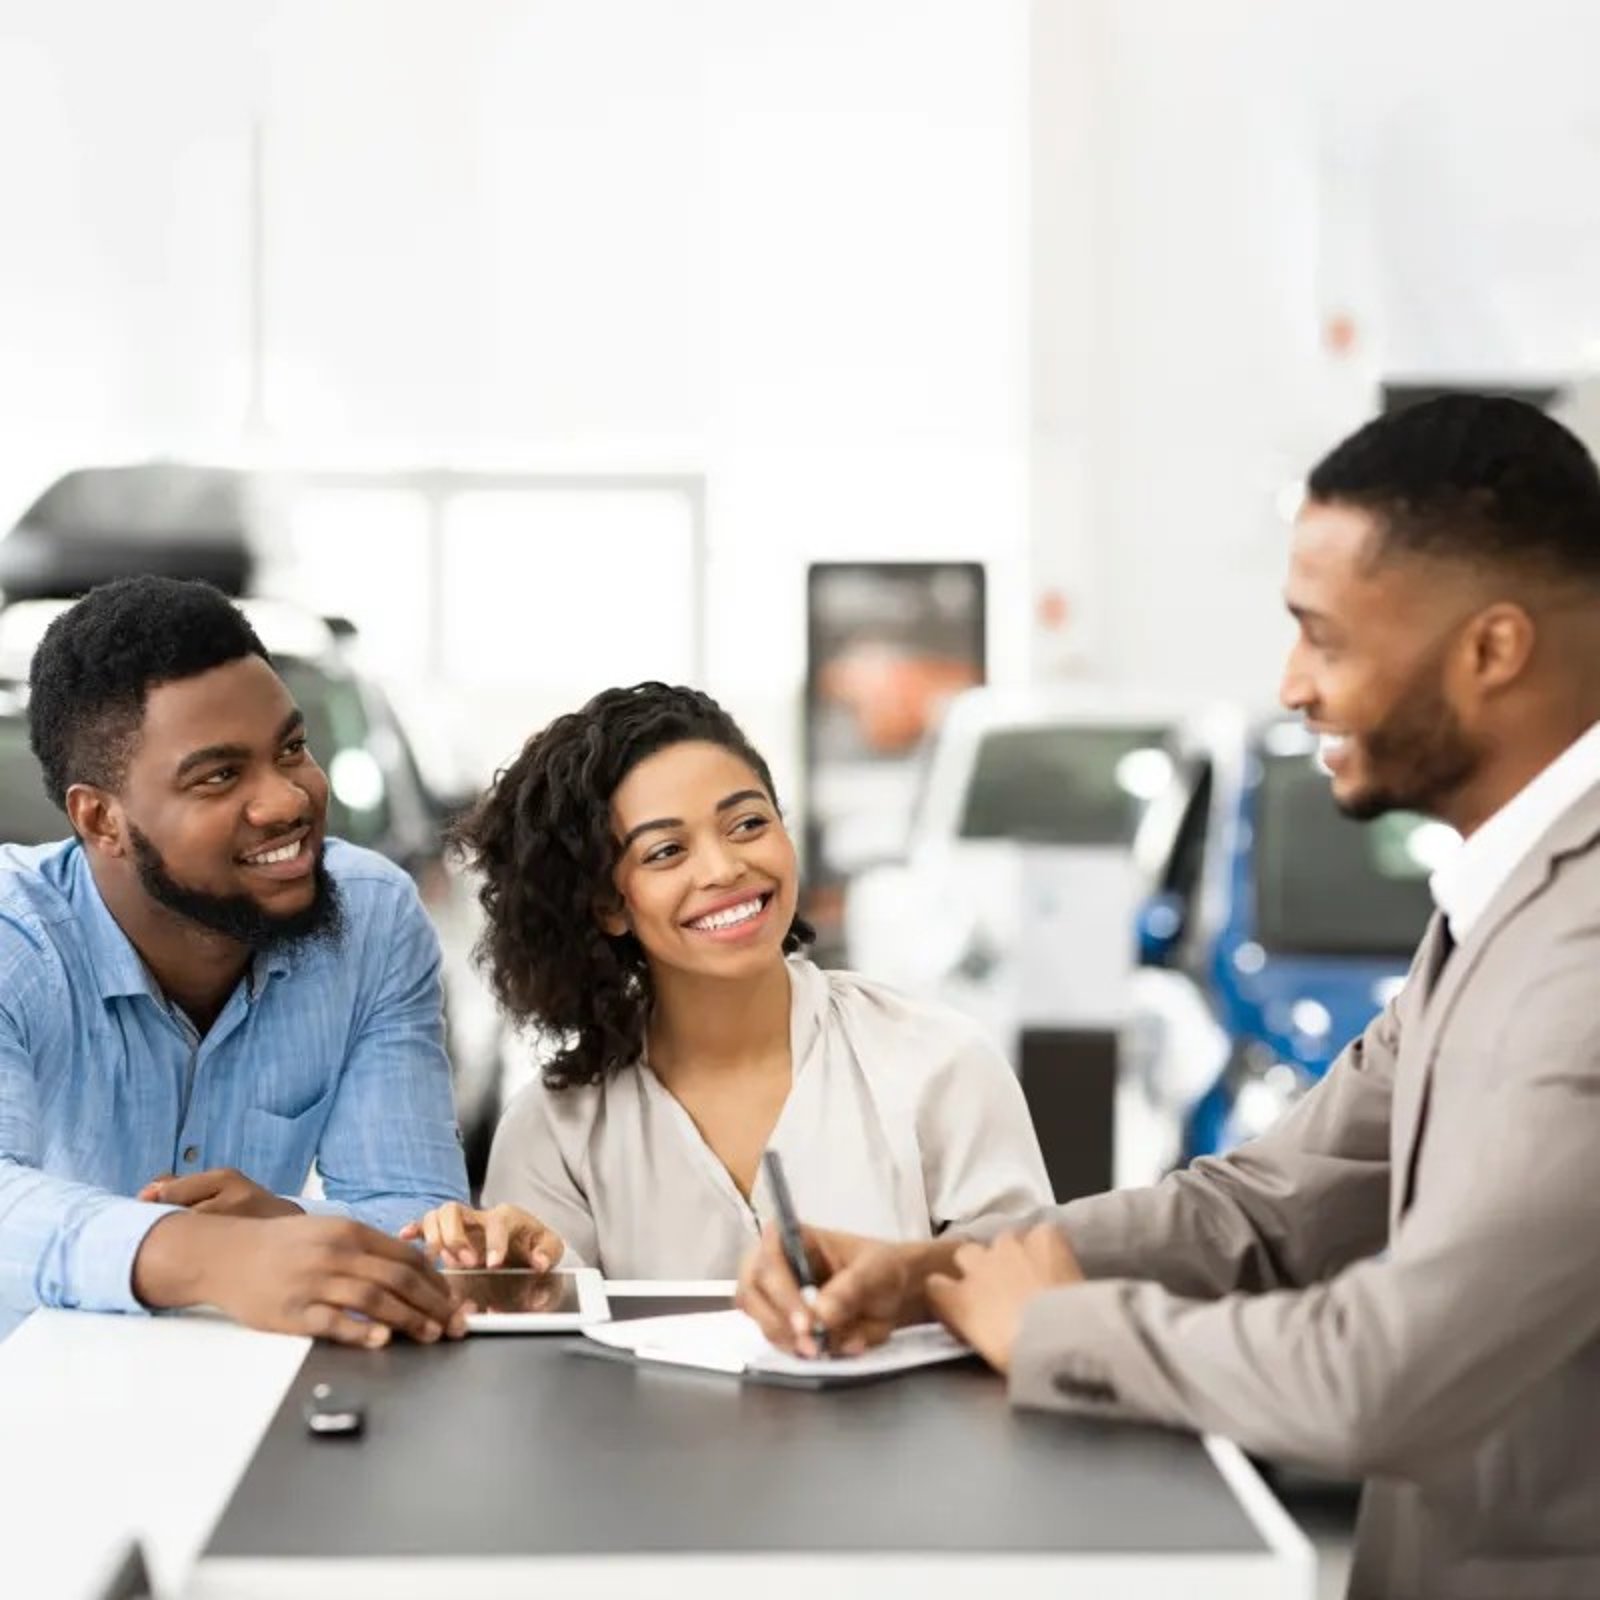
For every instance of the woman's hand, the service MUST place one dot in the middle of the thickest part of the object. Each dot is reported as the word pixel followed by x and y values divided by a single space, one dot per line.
pixel 503 1236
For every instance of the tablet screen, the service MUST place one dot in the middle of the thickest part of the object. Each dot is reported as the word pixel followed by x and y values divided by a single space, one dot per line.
pixel 516 1291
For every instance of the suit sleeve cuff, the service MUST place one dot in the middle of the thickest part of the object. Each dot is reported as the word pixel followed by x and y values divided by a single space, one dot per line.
pixel 1075 1351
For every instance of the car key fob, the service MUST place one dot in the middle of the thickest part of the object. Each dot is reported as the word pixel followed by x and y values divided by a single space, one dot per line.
pixel 330 1414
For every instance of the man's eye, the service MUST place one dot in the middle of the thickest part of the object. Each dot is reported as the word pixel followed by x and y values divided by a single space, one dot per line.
pixel 222 775
pixel 295 747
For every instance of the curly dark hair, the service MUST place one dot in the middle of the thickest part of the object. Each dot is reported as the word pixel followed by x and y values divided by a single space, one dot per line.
pixel 541 838
pixel 99 660
pixel 1474 476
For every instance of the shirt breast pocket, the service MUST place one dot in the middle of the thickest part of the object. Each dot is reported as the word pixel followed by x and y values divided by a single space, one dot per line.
pixel 279 1149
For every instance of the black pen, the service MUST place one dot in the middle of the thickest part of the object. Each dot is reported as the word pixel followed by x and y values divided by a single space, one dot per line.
pixel 794 1250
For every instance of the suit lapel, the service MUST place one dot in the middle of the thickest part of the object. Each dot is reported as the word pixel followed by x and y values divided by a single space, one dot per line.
pixel 1576 830
pixel 1411 1078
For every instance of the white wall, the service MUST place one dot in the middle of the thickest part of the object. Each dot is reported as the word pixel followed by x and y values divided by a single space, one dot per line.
pixel 122 231
pixel 1046 281
pixel 784 247
pixel 1194 384
pixel 1214 184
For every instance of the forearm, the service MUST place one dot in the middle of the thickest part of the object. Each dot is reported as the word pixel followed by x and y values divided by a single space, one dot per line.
pixel 1270 1372
pixel 1218 1227
pixel 1395 1363
pixel 1198 1233
pixel 68 1244
pixel 388 1197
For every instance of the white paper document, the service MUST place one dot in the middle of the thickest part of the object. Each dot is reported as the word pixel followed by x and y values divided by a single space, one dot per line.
pixel 729 1341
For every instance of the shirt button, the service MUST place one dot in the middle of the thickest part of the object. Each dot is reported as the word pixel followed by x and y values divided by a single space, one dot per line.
pixel 191 1152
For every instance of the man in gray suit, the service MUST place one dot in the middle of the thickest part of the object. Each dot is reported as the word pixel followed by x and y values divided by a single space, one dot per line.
pixel 1402 1279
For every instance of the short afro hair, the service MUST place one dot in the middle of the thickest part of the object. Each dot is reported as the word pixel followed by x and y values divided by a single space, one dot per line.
pixel 98 662
pixel 1473 477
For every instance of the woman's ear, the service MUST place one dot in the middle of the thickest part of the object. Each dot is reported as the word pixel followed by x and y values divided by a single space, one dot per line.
pixel 613 919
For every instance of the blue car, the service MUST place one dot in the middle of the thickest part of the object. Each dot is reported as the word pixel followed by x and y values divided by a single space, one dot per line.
pixel 1274 928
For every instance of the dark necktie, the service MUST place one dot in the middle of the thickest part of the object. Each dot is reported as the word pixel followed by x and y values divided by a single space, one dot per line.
pixel 1447 947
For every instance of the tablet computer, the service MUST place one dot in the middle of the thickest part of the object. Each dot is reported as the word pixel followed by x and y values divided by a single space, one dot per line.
pixel 518 1300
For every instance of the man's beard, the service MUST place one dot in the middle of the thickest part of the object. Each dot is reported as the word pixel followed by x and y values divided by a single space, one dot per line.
pixel 237 916
pixel 1418 757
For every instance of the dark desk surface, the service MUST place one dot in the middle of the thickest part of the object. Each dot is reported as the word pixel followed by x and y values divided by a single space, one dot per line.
pixel 504 1446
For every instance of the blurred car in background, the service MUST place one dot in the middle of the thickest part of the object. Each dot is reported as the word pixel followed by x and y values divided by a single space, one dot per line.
pixel 100 523
pixel 1273 930
pixel 193 522
pixel 1016 892
pixel 1016 886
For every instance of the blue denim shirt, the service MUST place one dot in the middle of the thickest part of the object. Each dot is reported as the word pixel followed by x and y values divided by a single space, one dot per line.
pixel 332 1054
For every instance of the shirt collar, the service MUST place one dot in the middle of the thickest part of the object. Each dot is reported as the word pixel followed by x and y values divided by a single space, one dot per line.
pixel 119 969
pixel 1465 885
pixel 117 965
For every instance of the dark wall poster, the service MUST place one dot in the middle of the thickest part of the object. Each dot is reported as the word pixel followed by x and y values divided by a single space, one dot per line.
pixel 887 644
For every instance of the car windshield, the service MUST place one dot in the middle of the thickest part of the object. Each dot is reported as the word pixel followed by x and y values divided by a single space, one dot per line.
pixel 1063 785
pixel 1326 885
pixel 27 813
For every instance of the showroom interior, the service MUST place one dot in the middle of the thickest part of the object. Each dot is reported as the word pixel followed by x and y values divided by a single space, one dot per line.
pixel 934 384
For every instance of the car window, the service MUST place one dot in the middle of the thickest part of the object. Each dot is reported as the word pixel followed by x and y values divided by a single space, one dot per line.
pixel 27 814
pixel 1062 785
pixel 339 733
pixel 1326 885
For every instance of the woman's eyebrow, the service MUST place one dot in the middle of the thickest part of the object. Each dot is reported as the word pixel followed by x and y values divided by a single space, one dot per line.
pixel 738 797
pixel 648 827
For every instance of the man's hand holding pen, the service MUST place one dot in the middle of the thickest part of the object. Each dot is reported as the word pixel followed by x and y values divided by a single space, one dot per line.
pixel 865 1289
pixel 868 1288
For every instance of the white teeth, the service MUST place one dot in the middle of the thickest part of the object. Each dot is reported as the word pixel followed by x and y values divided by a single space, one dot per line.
pixel 287 853
pixel 1329 744
pixel 730 918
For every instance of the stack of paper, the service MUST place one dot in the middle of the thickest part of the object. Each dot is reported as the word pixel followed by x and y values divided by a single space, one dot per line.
pixel 729 1341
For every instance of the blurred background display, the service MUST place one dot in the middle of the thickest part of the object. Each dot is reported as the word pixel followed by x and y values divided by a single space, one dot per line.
pixel 888 646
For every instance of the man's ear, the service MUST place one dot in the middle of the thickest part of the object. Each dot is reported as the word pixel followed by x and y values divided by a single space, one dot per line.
pixel 1501 640
pixel 96 818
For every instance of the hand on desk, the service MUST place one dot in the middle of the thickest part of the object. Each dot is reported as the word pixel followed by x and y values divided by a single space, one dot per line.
pixel 503 1236
pixel 223 1191
pixel 984 1303
pixel 324 1276
pixel 867 1289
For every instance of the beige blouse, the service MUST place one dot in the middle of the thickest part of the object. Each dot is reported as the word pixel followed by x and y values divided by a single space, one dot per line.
pixel 902 1120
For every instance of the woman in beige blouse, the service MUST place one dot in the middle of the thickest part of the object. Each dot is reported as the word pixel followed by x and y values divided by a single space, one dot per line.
pixel 641 888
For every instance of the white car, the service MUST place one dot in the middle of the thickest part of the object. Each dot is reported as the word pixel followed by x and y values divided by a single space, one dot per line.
pixel 1014 901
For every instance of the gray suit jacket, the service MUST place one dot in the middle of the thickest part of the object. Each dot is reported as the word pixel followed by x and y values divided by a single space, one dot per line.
pixel 1458 1371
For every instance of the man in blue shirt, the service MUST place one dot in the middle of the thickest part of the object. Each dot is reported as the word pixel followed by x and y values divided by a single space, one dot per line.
pixel 201 996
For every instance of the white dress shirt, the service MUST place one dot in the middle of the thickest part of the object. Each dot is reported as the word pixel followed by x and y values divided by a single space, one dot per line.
pixel 902 1120
pixel 1474 875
